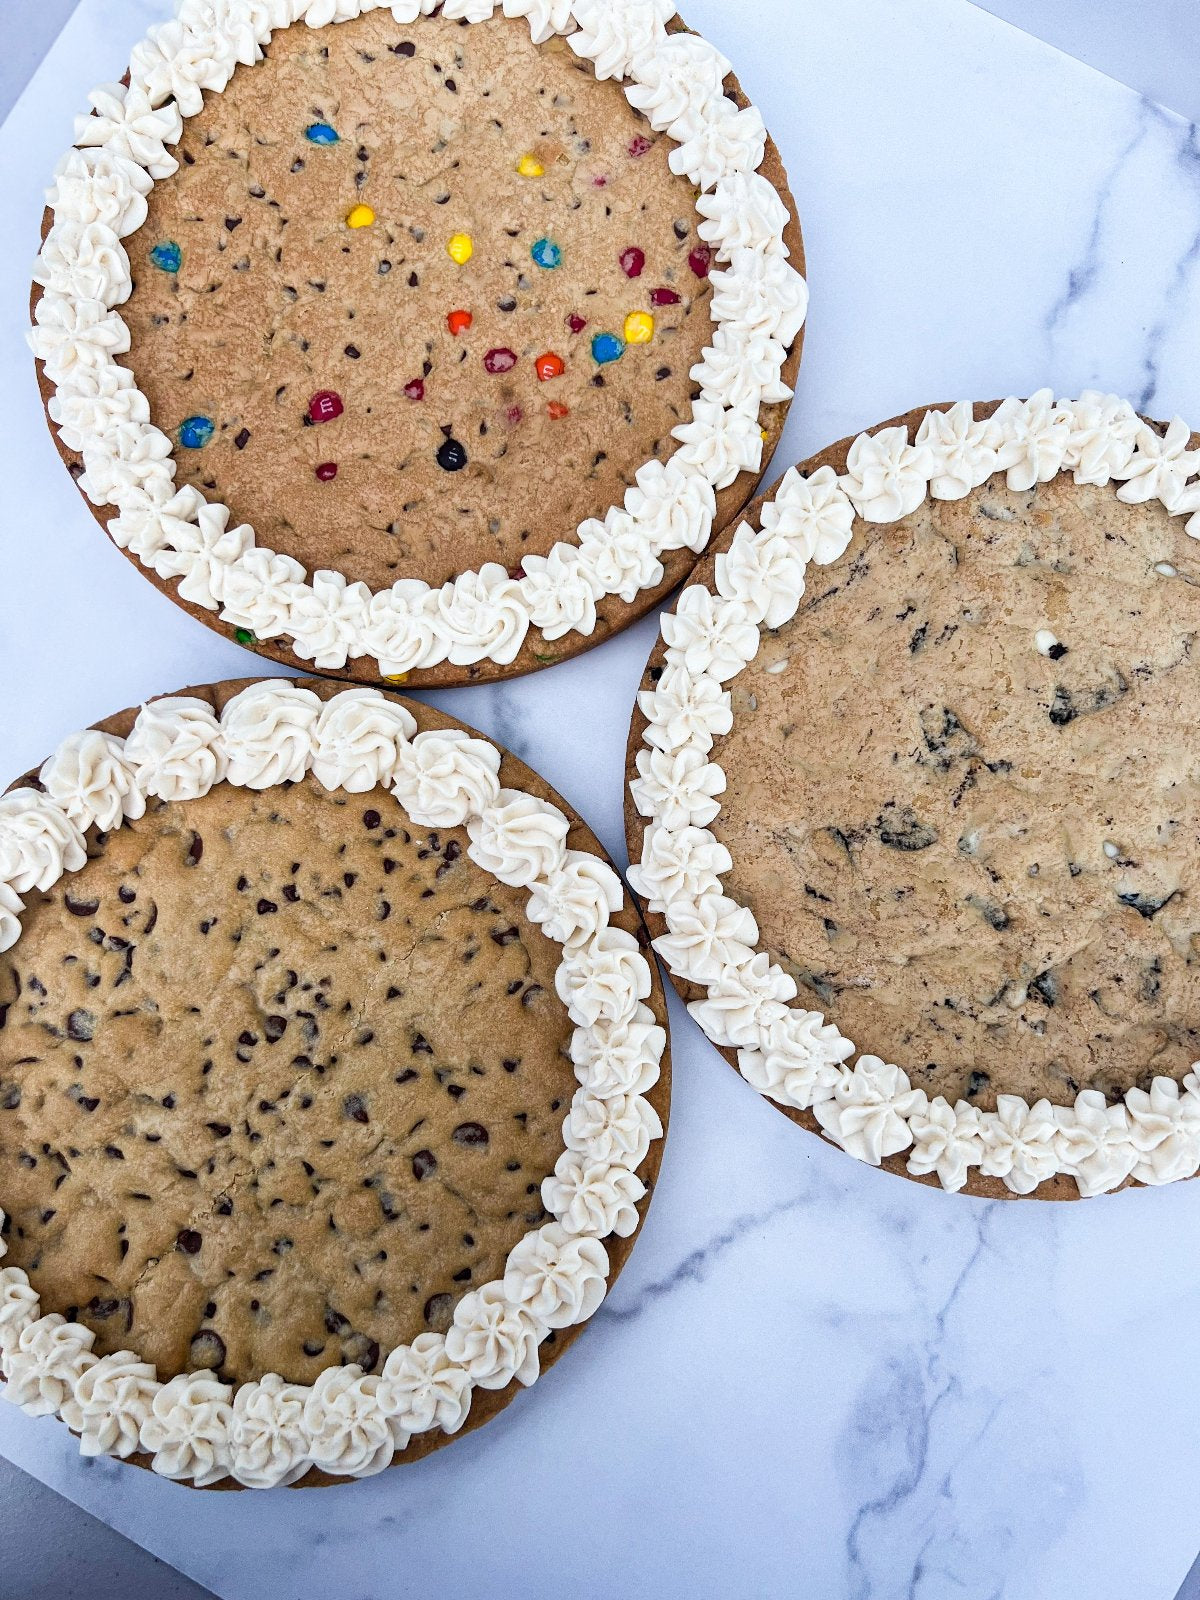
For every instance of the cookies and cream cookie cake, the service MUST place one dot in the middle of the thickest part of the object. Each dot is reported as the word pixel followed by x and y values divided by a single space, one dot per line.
pixel 912 803
pixel 416 341
pixel 332 1082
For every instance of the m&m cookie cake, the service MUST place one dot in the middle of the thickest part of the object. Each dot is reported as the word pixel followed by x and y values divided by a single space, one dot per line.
pixel 419 342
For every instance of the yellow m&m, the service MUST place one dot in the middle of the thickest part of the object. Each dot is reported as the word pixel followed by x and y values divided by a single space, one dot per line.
pixel 531 167
pixel 360 217
pixel 461 248
pixel 639 327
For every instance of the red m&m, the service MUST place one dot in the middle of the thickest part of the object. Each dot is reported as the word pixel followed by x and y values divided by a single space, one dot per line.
pixel 324 406
pixel 459 321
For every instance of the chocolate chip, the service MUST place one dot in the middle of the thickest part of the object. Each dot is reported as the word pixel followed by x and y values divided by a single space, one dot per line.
pixel 189 1241
pixel 10 1097
pixel 195 850
pixel 221 1129
pixel 242 438
pixel 472 1134
pixel 207 1350
pixel 439 1309
pixel 424 1164
pixel 81 908
pixel 336 1323
pixel 274 1028
pixel 266 908
pixel 404 48
pixel 81 1025
pixel 355 1107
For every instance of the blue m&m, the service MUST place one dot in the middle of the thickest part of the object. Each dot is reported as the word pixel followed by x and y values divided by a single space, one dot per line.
pixel 167 255
pixel 606 347
pixel 321 133
pixel 547 254
pixel 195 432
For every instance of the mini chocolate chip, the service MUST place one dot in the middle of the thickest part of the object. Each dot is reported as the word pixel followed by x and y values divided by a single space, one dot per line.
pixel 424 1163
pixel 471 1133
pixel 113 1153
pixel 207 1350
pixel 438 1310
pixel 189 1241
pixel 81 1025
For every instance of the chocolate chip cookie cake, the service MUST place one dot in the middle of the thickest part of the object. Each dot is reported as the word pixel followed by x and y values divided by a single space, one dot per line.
pixel 419 342
pixel 332 1082
pixel 911 803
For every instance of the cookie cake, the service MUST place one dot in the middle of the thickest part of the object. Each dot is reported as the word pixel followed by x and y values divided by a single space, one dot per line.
pixel 911 804
pixel 332 1083
pixel 419 342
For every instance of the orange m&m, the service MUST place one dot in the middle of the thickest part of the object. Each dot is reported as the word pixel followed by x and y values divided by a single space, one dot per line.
pixel 550 366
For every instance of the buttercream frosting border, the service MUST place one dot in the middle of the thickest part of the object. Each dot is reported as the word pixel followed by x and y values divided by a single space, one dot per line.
pixel 123 146
pixel 793 1056
pixel 348 1422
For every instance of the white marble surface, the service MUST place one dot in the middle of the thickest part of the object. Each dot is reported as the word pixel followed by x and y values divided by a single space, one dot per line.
pixel 812 1378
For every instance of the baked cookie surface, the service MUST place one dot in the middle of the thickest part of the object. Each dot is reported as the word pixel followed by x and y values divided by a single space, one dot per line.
pixel 286 1076
pixel 957 803
pixel 476 423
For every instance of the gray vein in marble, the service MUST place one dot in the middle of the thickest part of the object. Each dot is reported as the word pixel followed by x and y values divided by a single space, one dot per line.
pixel 1083 275
pixel 697 1265
pixel 909 1380
pixel 1188 159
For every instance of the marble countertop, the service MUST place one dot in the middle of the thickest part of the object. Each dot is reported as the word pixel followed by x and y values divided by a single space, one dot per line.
pixel 812 1378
